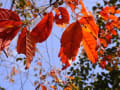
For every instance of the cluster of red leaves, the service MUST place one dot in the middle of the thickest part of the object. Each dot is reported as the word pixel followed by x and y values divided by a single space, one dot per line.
pixel 10 24
pixel 27 40
pixel 84 30
pixel 70 41
pixel 111 22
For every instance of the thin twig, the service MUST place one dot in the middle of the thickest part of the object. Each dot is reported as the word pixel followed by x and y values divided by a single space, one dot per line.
pixel 13 1
pixel 5 53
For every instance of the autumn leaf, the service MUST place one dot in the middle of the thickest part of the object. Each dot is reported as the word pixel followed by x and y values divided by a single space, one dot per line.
pixel 6 14
pixel 43 29
pixel 83 9
pixel 26 45
pixel 88 20
pixel 103 42
pixel 43 87
pixel 89 44
pixel 103 64
pixel 70 43
pixel 72 4
pixel 8 30
pixel 9 26
pixel 90 25
pixel 61 11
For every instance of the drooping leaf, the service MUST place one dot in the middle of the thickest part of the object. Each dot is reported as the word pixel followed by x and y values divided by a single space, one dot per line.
pixel 26 45
pixel 43 29
pixel 70 43
pixel 9 26
pixel 6 14
pixel 61 11
pixel 89 44
pixel 8 30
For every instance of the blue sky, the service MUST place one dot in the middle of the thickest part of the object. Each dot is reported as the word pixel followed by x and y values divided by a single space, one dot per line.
pixel 51 46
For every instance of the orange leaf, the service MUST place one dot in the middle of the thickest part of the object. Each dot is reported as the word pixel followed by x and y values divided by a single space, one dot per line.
pixel 113 32
pixel 103 41
pixel 90 25
pixel 26 45
pixel 112 17
pixel 89 44
pixel 43 87
pixel 70 43
pixel 64 16
pixel 43 29
pixel 118 11
pixel 68 88
pixel 83 9
pixel 72 4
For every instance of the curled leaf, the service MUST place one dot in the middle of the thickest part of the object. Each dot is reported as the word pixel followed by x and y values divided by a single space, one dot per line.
pixel 61 11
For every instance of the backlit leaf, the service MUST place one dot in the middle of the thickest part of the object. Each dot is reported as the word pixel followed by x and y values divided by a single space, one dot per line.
pixel 43 29
pixel 26 45
pixel 89 44
pixel 70 43
pixel 9 26
pixel 61 11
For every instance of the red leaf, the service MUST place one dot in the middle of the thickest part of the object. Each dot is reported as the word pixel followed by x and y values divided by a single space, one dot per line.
pixel 43 87
pixel 103 64
pixel 70 43
pixel 64 16
pixel 43 29
pixel 26 45
pixel 9 26
pixel 8 30
pixel 103 42
pixel 108 38
pixel 6 14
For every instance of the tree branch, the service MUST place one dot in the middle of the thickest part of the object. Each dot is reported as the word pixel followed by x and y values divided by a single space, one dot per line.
pixel 13 1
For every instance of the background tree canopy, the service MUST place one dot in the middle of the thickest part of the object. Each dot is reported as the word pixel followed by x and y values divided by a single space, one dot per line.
pixel 87 55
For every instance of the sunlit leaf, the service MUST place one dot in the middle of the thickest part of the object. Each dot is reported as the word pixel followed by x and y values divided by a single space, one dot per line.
pixel 43 29
pixel 89 44
pixel 70 43
pixel 26 45
pixel 61 11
